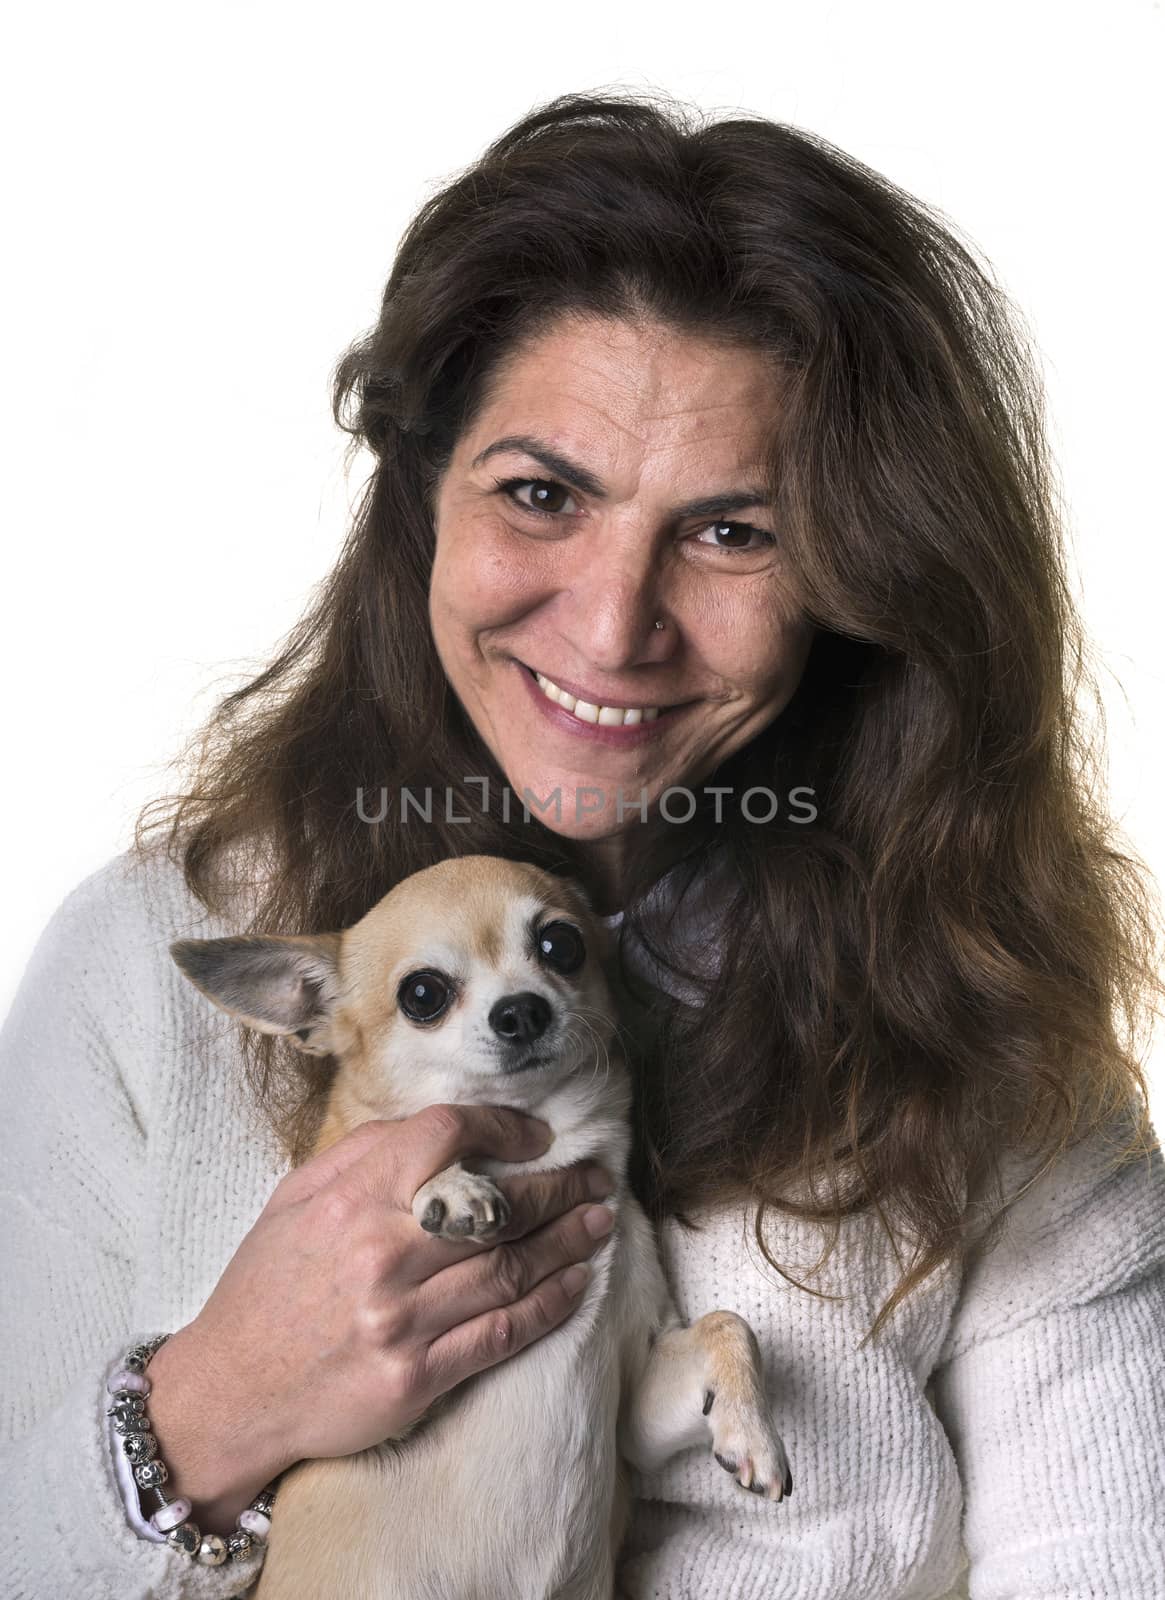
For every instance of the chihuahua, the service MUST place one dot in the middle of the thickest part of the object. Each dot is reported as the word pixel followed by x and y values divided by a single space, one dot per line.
pixel 484 981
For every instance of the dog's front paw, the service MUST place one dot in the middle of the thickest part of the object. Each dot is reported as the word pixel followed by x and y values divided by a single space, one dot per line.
pixel 461 1205
pixel 746 1444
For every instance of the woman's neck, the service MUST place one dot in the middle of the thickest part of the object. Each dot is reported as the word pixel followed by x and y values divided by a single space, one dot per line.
pixel 608 861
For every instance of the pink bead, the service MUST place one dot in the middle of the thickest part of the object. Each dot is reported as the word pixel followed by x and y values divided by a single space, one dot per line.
pixel 255 1523
pixel 133 1381
pixel 169 1516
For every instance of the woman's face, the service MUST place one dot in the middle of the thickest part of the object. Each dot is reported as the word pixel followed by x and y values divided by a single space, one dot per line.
pixel 644 449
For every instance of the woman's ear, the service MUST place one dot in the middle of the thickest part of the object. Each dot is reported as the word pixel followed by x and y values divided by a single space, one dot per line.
pixel 287 986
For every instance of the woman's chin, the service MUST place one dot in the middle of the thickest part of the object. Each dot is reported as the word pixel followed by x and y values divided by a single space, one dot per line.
pixel 585 811
pixel 588 827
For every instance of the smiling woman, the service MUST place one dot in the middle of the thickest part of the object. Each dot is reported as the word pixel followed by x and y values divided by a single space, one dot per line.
pixel 545 610
pixel 704 457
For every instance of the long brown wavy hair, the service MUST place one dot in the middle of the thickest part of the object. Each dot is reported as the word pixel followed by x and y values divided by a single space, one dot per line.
pixel 956 956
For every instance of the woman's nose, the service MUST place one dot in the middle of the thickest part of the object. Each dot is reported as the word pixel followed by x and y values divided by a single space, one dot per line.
pixel 611 608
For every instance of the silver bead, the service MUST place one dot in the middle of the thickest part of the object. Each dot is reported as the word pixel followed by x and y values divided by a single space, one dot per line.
pixel 140 1447
pixel 212 1552
pixel 186 1537
pixel 139 1356
pixel 239 1545
pixel 263 1501
pixel 131 1406
pixel 132 1422
pixel 151 1473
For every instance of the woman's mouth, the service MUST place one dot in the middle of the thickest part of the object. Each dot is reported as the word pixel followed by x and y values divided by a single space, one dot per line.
pixel 620 725
pixel 604 716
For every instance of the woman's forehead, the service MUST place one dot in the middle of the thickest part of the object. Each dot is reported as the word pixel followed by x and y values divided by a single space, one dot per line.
pixel 610 395
pixel 651 364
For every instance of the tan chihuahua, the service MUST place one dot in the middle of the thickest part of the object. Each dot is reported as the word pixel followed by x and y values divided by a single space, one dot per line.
pixel 481 981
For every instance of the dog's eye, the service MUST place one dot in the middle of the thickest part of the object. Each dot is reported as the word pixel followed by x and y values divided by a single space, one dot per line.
pixel 560 945
pixel 423 996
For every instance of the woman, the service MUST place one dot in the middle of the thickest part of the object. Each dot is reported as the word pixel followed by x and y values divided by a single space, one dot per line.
pixel 711 516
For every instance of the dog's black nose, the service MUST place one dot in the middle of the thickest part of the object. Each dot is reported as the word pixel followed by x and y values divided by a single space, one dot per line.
pixel 520 1017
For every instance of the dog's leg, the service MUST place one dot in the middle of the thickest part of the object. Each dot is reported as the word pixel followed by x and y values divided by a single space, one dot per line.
pixel 456 1204
pixel 705 1384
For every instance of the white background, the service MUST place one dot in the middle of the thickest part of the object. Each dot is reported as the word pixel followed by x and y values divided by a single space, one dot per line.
pixel 202 203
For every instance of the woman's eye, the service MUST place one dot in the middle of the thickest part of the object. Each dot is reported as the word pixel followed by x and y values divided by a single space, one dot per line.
pixel 423 996
pixel 546 496
pixel 736 531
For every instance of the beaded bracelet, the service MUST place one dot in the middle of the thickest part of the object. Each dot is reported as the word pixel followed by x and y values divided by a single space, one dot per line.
pixel 129 1387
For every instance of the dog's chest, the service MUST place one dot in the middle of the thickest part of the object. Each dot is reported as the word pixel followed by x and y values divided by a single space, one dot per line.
pixel 507 1488
pixel 512 1485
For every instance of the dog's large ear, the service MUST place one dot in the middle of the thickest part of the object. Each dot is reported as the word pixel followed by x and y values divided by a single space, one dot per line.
pixel 279 985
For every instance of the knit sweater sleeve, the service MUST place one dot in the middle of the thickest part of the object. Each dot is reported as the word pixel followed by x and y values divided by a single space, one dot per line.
pixel 1051 1384
pixel 72 1144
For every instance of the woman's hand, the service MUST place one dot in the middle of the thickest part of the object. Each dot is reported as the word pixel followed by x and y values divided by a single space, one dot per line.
pixel 339 1321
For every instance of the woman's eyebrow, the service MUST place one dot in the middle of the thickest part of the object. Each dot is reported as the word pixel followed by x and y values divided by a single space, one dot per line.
pixel 579 477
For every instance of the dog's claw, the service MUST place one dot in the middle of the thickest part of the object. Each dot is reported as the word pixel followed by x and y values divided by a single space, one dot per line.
pixel 709 1396
pixel 745 1444
pixel 461 1205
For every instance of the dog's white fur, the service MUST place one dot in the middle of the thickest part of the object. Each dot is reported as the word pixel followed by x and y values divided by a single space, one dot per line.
pixel 514 1485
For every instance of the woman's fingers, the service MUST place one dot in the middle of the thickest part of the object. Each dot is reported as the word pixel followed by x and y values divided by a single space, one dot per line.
pixel 502 1331
pixel 504 1276
pixel 535 1199
pixel 369 1138
pixel 443 1134
pixel 410 1152
pixel 390 1160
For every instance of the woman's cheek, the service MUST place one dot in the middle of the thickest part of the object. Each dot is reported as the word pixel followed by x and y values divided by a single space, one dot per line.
pixel 485 571
pixel 767 668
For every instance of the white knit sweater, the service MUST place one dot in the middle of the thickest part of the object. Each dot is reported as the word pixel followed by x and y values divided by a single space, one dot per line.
pixel 1015 1419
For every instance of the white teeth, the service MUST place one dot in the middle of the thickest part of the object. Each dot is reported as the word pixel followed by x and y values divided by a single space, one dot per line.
pixel 606 716
pixel 553 692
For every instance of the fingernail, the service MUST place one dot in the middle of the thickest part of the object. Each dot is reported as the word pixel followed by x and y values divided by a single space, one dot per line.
pixel 599 1183
pixel 598 1220
pixel 574 1278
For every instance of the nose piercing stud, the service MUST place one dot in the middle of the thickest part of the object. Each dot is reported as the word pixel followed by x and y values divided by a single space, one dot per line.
pixel 659 624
